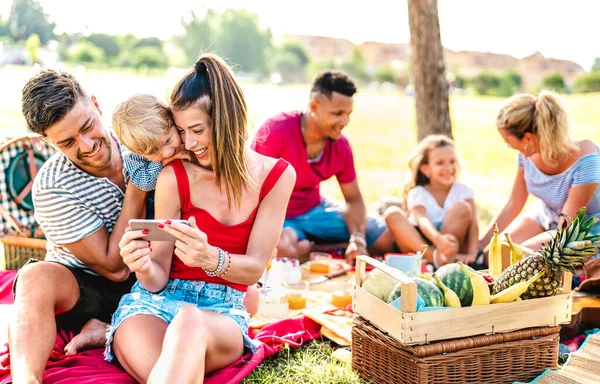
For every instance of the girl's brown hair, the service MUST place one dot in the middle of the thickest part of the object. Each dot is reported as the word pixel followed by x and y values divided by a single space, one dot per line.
pixel 212 87
pixel 544 117
pixel 421 157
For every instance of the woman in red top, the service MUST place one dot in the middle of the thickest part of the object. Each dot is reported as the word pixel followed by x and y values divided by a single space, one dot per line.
pixel 185 317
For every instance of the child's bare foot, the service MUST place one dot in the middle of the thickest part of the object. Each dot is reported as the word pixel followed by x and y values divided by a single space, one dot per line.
pixel 92 335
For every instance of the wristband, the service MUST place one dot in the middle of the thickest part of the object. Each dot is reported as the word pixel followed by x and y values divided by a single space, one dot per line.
pixel 220 266
pixel 358 238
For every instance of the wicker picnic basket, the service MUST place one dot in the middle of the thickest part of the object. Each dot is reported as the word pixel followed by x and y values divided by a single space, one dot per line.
pixel 20 159
pixel 497 358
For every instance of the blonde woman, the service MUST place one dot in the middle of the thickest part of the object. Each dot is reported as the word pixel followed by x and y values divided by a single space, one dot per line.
pixel 561 172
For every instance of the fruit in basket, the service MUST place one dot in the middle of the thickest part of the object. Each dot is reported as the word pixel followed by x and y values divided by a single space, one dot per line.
pixel 569 248
pixel 516 253
pixel 450 297
pixel 495 254
pixel 427 290
pixel 379 284
pixel 514 292
pixel 454 278
pixel 481 291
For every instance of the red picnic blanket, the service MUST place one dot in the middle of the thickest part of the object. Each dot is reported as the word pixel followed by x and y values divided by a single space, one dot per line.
pixel 90 367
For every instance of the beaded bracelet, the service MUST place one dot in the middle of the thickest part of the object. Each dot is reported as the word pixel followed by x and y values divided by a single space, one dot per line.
pixel 220 266
pixel 228 264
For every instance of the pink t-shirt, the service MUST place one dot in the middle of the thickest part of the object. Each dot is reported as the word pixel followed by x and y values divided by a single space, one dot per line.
pixel 281 137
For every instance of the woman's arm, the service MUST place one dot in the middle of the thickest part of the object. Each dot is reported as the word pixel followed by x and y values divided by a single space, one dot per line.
pixel 579 196
pixel 511 209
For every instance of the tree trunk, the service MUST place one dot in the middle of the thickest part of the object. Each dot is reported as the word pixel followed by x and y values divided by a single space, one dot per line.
pixel 429 77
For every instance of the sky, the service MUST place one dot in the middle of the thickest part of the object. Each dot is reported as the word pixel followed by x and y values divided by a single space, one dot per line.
pixel 556 28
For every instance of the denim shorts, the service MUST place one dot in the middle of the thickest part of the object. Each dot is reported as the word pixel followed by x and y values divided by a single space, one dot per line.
pixel 166 303
pixel 326 223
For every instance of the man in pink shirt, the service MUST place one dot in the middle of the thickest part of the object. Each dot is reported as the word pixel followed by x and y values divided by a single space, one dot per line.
pixel 313 143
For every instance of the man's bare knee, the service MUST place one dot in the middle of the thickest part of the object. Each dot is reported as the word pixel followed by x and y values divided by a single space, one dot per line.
pixel 50 282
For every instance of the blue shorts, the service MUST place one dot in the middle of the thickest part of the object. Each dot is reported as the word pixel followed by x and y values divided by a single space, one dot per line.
pixel 326 223
pixel 166 303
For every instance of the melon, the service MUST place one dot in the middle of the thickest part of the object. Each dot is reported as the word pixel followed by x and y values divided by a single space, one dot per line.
pixel 429 292
pixel 379 284
pixel 458 281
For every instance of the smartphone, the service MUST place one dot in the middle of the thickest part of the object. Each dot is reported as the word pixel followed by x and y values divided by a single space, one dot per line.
pixel 154 233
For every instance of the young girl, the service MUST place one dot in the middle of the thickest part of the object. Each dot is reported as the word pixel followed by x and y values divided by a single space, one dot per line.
pixel 184 317
pixel 440 210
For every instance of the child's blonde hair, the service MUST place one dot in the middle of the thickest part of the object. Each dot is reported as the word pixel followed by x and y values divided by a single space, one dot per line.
pixel 542 116
pixel 421 157
pixel 140 122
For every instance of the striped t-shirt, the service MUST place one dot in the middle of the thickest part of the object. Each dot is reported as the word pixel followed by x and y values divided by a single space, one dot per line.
pixel 553 190
pixel 71 204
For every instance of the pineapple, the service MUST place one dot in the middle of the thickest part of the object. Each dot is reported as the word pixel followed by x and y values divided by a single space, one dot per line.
pixel 568 249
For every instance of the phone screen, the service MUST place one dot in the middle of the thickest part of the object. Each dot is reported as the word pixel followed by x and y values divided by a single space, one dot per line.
pixel 154 233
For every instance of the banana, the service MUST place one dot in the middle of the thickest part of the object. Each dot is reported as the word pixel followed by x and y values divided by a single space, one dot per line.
pixel 495 254
pixel 481 291
pixel 450 297
pixel 516 252
pixel 514 292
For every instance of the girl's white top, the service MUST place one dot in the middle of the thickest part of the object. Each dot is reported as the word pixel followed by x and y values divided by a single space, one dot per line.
pixel 419 196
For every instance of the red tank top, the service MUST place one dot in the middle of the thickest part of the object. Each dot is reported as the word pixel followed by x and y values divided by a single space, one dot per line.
pixel 231 238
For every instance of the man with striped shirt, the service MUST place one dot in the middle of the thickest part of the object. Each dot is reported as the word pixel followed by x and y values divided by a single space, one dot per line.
pixel 83 207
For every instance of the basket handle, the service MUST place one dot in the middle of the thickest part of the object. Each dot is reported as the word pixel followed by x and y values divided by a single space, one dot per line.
pixel 11 221
pixel 409 287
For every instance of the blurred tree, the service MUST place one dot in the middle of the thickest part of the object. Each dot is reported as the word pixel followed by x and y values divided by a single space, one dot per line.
pixel 26 18
pixel 86 52
pixel 356 67
pixel 386 74
pixel 288 66
pixel 485 83
pixel 596 66
pixel 460 82
pixel 3 27
pixel 197 37
pixel 149 57
pixel 108 43
pixel 508 84
pixel 297 50
pixel 149 42
pixel 33 45
pixel 316 67
pixel 239 39
pixel 429 78
pixel 588 82
pixel 291 61
pixel 555 82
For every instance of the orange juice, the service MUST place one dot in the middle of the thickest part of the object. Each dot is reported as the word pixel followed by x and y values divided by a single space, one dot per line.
pixel 296 301
pixel 341 299
pixel 319 266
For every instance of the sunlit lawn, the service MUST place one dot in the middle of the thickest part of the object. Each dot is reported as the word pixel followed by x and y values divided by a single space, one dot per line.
pixel 382 133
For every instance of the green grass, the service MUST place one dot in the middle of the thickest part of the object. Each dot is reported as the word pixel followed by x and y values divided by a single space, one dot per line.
pixel 310 364
pixel 382 132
